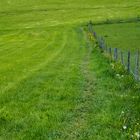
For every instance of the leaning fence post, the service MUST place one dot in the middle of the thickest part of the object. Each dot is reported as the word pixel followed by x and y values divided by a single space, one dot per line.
pixel 115 54
pixel 128 62
pixel 102 43
pixel 94 33
pixel 122 59
pixel 110 52
pixel 137 65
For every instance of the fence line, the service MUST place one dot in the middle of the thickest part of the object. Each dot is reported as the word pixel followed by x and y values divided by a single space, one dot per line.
pixel 114 54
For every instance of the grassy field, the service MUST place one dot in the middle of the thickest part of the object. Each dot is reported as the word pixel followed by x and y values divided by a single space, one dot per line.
pixel 121 35
pixel 124 36
pixel 15 14
pixel 54 83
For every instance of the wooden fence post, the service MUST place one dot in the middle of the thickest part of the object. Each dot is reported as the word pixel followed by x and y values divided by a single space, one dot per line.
pixel 115 54
pixel 110 52
pixel 128 62
pixel 100 42
pixel 137 65
pixel 103 44
pixel 122 58
pixel 94 33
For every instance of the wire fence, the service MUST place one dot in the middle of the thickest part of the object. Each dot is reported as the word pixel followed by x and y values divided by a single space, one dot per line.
pixel 130 60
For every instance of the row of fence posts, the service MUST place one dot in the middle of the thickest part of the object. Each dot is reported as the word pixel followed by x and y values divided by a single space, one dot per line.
pixel 114 53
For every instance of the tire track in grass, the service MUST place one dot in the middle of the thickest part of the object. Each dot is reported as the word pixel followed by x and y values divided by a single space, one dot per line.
pixel 64 63
pixel 17 65
pixel 93 116
pixel 13 42
pixel 35 68
pixel 68 62
pixel 77 128
pixel 20 99
pixel 64 89
pixel 93 119
pixel 97 115
pixel 29 44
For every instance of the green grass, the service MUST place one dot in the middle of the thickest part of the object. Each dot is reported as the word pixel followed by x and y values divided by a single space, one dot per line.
pixel 124 36
pixel 21 14
pixel 54 83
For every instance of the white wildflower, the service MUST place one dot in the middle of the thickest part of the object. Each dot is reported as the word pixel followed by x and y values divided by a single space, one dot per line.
pixel 124 127
pixel 122 112
pixel 118 75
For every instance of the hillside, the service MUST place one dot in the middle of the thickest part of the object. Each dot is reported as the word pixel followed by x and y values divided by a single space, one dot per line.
pixel 17 14
pixel 55 84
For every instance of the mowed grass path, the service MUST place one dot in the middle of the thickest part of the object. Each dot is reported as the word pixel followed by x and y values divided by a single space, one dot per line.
pixel 61 88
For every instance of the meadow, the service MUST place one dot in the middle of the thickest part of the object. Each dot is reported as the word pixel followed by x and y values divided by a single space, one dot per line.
pixel 126 33
pixel 123 36
pixel 54 83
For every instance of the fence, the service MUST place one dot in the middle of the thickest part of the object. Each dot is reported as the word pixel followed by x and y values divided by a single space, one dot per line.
pixel 130 60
